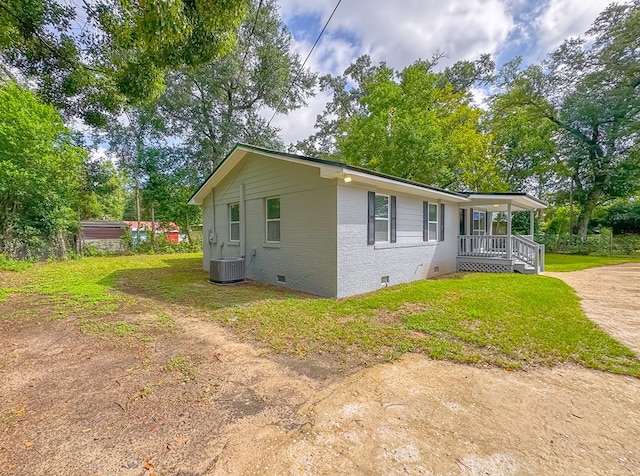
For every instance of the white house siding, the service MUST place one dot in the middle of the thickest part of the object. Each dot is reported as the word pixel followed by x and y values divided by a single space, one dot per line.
pixel 306 254
pixel 361 266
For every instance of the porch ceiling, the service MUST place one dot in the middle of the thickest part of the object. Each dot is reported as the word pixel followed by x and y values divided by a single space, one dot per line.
pixel 500 202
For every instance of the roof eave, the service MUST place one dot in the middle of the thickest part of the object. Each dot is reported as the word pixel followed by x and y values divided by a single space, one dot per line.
pixel 329 169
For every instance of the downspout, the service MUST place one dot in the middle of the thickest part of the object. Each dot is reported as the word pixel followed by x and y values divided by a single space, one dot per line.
pixel 243 227
pixel 213 237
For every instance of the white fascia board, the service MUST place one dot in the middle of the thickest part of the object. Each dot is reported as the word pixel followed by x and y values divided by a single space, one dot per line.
pixel 326 170
pixel 524 202
pixel 218 175
pixel 391 184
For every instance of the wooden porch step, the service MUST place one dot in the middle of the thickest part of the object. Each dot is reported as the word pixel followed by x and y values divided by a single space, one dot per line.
pixel 523 268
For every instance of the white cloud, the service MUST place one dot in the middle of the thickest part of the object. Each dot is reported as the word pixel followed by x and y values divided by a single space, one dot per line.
pixel 98 153
pixel 562 19
pixel 401 32
pixel 299 123
pixel 397 34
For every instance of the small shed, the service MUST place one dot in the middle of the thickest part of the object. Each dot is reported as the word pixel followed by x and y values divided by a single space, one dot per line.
pixel 105 235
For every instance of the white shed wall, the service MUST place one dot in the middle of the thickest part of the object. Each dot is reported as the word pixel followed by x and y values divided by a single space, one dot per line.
pixel 361 266
pixel 306 254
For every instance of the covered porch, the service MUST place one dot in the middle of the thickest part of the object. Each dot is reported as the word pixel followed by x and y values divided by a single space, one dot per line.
pixel 486 241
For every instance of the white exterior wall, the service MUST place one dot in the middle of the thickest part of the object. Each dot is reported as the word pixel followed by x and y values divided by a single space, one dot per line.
pixel 306 254
pixel 361 266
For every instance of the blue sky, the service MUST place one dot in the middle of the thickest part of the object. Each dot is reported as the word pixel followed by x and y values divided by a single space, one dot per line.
pixel 401 31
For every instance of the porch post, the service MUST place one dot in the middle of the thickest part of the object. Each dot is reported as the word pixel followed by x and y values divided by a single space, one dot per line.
pixel 509 230
pixel 531 223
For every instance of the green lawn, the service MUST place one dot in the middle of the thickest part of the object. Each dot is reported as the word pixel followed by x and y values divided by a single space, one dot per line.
pixel 560 262
pixel 507 320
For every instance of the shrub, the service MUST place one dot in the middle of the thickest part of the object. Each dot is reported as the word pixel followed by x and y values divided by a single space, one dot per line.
pixel 603 244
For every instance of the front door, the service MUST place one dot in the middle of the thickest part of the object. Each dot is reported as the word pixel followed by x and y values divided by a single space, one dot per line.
pixel 479 226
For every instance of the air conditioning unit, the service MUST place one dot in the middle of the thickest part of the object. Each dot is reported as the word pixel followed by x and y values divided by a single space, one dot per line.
pixel 226 270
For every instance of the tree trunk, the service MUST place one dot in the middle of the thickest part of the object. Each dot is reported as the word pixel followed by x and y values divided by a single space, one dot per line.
pixel 188 230
pixel 62 246
pixel 137 178
pixel 585 213
pixel 571 209
pixel 153 228
pixel 138 211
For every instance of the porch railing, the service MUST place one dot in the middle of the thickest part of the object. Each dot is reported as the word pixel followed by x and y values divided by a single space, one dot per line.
pixel 528 251
pixel 494 246
pixel 502 246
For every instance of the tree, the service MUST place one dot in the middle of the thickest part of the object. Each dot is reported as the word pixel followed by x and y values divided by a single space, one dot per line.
pixel 589 91
pixel 167 188
pixel 40 172
pixel 347 90
pixel 119 55
pixel 102 191
pixel 421 128
pixel 215 105
pixel 417 124
pixel 524 147
pixel 623 216
pixel 129 138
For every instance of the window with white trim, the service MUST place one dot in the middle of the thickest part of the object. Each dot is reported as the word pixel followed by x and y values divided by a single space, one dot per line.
pixel 433 222
pixel 479 223
pixel 382 218
pixel 234 222
pixel 272 206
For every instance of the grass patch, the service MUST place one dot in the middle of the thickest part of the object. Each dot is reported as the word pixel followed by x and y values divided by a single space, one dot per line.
pixel 501 319
pixel 165 321
pixel 7 264
pixel 12 416
pixel 565 263
pixel 108 329
pixel 183 366
pixel 507 320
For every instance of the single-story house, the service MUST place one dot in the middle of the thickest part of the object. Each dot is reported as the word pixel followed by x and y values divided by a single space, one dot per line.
pixel 105 235
pixel 171 231
pixel 337 230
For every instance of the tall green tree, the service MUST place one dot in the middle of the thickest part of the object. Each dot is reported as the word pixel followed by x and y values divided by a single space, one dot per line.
pixel 214 105
pixel 589 91
pixel 167 187
pixel 92 58
pixel 417 124
pixel 413 124
pixel 348 90
pixel 129 137
pixel 102 192
pixel 525 148
pixel 40 174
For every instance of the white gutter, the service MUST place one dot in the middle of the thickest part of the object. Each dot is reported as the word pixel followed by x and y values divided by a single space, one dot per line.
pixel 362 177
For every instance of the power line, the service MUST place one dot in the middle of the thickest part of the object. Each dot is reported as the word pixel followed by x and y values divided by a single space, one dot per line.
pixel 246 51
pixel 305 61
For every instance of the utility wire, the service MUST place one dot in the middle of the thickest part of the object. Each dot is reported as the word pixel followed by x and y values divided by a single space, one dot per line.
pixel 246 51
pixel 304 62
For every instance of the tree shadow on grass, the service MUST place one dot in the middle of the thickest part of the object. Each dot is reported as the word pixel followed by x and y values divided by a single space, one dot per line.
pixel 182 281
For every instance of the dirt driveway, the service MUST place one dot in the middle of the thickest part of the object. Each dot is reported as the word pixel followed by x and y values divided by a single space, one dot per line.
pixel 73 403
pixel 419 416
pixel 611 298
